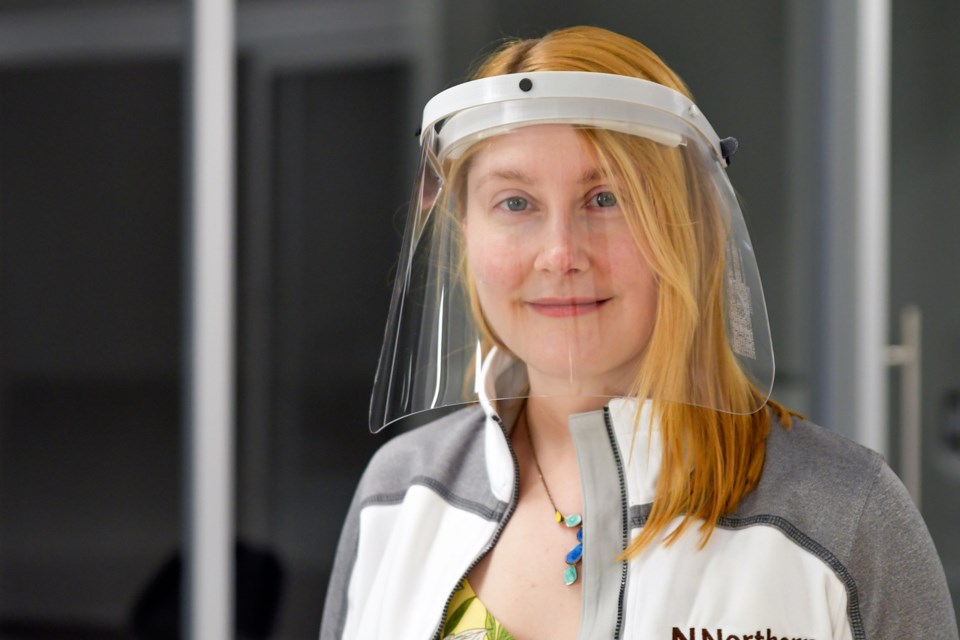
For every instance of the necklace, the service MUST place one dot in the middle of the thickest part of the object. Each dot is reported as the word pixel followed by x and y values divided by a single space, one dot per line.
pixel 574 520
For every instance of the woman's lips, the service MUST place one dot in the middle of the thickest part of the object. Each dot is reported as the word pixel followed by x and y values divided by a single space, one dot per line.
pixel 566 307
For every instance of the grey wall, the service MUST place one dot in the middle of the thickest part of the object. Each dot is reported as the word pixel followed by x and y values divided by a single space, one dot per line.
pixel 925 242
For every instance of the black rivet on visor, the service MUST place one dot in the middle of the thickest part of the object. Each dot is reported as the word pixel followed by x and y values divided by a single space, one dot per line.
pixel 728 147
pixel 526 84
pixel 416 134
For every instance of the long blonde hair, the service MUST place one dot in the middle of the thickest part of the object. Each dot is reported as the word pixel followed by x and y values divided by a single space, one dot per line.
pixel 711 459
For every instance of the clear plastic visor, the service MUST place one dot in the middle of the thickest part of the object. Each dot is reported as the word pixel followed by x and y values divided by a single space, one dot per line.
pixel 597 256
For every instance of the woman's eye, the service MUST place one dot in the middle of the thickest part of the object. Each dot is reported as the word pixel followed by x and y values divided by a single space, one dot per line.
pixel 516 203
pixel 605 199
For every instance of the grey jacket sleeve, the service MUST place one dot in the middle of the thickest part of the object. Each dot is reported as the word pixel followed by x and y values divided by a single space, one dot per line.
pixel 901 586
pixel 336 606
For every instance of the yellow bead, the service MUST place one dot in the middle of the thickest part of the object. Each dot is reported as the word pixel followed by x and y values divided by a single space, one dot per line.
pixel 558 517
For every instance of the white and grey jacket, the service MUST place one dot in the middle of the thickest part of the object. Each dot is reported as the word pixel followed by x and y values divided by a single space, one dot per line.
pixel 828 546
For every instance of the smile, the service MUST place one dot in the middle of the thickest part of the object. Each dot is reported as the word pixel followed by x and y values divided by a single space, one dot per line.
pixel 566 307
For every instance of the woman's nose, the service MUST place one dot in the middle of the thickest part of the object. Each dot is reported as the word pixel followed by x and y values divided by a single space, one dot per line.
pixel 562 247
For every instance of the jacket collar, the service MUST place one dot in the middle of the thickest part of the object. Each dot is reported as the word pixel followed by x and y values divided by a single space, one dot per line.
pixel 501 388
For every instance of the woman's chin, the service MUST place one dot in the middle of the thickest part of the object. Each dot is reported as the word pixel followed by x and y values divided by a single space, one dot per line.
pixel 575 378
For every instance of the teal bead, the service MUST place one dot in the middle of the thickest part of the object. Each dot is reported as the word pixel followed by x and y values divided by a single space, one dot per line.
pixel 569 575
pixel 573 520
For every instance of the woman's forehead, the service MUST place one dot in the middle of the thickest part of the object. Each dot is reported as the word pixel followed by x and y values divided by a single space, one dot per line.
pixel 534 151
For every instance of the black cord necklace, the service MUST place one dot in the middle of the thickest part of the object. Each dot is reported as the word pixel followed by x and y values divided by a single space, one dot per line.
pixel 573 520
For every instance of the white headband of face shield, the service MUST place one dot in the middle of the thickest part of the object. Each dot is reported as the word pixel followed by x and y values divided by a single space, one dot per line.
pixel 474 110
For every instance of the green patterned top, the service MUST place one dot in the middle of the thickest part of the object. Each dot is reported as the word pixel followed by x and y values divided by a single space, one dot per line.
pixel 468 619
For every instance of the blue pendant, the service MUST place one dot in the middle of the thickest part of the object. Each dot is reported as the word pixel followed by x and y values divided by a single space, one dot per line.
pixel 575 554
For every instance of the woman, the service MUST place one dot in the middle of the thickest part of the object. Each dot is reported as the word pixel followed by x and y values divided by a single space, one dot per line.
pixel 576 261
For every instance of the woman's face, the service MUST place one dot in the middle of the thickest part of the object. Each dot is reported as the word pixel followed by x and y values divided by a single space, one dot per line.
pixel 558 274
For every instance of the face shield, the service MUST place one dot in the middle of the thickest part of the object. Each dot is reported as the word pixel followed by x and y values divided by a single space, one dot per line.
pixel 581 227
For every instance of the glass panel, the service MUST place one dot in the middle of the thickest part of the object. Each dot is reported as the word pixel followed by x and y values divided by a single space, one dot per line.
pixel 321 266
pixel 90 244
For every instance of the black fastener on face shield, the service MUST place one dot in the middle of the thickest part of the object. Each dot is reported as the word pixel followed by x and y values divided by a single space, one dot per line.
pixel 728 147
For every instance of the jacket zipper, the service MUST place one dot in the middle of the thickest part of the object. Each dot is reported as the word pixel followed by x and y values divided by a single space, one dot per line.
pixel 496 534
pixel 624 515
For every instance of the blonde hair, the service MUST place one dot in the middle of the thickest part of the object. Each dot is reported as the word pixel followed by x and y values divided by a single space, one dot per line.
pixel 711 459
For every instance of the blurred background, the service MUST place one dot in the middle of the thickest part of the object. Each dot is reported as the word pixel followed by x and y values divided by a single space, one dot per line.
pixel 92 282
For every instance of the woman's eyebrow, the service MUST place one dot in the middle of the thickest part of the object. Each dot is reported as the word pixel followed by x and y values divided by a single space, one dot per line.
pixel 505 174
pixel 590 175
